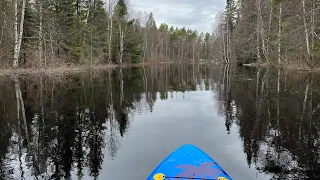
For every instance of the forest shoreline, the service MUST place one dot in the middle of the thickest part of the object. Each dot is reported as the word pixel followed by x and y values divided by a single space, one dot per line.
pixel 283 66
pixel 72 69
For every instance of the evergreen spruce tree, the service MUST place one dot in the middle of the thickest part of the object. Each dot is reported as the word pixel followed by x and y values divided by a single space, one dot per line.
pixel 127 37
pixel 120 13
pixel 133 42
pixel 97 34
pixel 29 40
pixel 65 17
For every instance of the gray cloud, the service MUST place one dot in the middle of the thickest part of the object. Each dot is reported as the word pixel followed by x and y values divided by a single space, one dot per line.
pixel 194 14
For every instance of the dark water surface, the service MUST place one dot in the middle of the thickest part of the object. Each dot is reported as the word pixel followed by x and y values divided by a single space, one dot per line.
pixel 119 125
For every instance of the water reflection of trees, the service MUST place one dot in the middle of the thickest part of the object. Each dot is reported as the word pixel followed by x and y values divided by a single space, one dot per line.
pixel 277 113
pixel 51 127
pixel 226 103
pixel 73 123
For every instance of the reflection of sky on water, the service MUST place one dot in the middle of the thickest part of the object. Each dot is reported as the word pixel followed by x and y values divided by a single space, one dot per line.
pixel 174 122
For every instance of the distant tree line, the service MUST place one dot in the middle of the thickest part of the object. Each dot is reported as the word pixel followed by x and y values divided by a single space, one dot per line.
pixel 50 32
pixel 277 32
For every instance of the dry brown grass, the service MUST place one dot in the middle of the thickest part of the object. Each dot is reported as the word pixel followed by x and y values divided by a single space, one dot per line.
pixel 69 69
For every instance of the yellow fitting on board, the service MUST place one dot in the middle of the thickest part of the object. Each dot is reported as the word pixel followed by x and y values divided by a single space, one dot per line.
pixel 159 176
pixel 222 178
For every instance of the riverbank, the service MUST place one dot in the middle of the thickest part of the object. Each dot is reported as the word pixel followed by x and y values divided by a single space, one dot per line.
pixel 74 69
pixel 71 69
pixel 287 66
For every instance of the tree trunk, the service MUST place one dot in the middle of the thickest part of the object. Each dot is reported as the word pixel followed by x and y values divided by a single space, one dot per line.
pixel 121 87
pixel 259 98
pixel 91 49
pixel 303 110
pixel 306 29
pixel 2 29
pixel 17 87
pixel 279 34
pixel 21 26
pixel 145 46
pixel 192 51
pixel 227 44
pixel 16 37
pixel 224 46
pixel 305 101
pixel 20 105
pixel 40 32
pixel 88 12
pixel 156 50
pixel 110 34
pixel 261 28
pixel 121 43
pixel 257 87
pixel 42 99
pixel 269 28
pixel 278 100
pixel 312 29
pixel 262 92
pixel 258 40
pixel 166 45
pixel 182 49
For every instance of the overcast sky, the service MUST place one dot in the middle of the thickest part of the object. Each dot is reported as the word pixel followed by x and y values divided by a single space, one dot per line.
pixel 194 14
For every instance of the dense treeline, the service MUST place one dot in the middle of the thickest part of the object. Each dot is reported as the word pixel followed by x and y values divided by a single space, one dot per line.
pixel 42 33
pixel 279 32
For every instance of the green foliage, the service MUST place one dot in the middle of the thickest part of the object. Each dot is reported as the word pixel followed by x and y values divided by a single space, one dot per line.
pixel 30 22
pixel 201 37
pixel 173 33
pixel 192 35
pixel 230 11
pixel 65 11
pixel 275 2
pixel 182 32
pixel 30 33
pixel 133 42
pixel 97 36
pixel 207 37
pixel 316 51
pixel 132 36
pixel 151 23
pixel 121 9
pixel 163 27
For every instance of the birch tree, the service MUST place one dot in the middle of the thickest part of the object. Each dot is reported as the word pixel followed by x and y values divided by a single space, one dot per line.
pixel 306 31
pixel 18 31
pixel 110 28
pixel 40 31
pixel 279 33
pixel 260 32
pixel 230 10
pixel 150 38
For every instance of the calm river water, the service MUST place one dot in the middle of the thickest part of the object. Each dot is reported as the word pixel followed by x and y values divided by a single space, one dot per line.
pixel 119 125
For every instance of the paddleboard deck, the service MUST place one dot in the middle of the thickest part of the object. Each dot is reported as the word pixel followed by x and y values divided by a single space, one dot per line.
pixel 187 162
